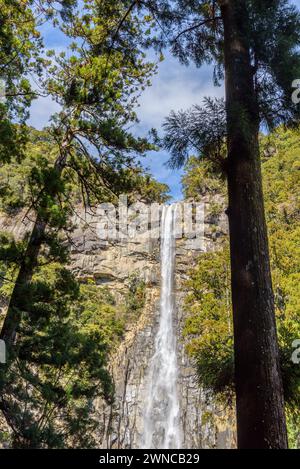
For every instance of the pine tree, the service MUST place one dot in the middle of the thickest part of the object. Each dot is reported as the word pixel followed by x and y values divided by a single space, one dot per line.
pixel 97 89
pixel 20 46
pixel 209 321
pixel 68 328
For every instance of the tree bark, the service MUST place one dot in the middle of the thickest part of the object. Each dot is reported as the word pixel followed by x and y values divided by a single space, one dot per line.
pixel 30 260
pixel 259 391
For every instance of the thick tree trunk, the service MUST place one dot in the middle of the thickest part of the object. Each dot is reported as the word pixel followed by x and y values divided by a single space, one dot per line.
pixel 14 311
pixel 259 392
pixel 29 262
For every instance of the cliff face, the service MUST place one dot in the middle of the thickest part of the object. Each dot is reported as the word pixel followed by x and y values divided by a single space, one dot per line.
pixel 203 424
pixel 112 264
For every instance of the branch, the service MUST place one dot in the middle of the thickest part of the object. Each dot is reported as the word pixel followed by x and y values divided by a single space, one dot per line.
pixel 123 20
pixel 198 25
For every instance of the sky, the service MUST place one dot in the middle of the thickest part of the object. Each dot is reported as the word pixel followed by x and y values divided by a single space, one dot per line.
pixel 175 87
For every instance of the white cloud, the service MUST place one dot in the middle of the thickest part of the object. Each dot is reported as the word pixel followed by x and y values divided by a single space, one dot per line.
pixel 175 87
pixel 41 110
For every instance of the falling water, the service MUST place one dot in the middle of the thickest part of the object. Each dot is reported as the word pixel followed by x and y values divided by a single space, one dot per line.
pixel 161 416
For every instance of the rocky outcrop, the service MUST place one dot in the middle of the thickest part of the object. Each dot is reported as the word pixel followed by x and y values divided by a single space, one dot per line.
pixel 111 263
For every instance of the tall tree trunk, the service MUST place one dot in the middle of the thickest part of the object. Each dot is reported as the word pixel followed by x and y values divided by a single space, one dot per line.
pixel 30 260
pixel 259 392
pixel 14 311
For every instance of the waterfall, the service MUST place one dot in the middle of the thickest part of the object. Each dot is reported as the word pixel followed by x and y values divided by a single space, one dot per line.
pixel 161 413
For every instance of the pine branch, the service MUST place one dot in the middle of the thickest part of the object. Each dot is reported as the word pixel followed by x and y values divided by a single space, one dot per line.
pixel 196 26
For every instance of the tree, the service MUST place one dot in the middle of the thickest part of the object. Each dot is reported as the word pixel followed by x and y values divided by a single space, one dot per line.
pixel 20 46
pixel 68 327
pixel 97 88
pixel 254 46
pixel 208 325
pixel 61 364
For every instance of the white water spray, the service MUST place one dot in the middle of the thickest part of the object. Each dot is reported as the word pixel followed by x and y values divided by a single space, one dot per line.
pixel 161 416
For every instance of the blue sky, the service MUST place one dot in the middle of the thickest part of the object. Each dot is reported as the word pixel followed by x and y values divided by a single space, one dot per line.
pixel 175 87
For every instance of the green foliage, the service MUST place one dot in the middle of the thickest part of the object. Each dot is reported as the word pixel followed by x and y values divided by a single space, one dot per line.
pixel 270 31
pixel 20 47
pixel 57 367
pixel 281 187
pixel 98 302
pixel 200 179
pixel 10 250
pixel 35 183
pixel 208 304
pixel 147 189
pixel 135 297
pixel 22 184
pixel 209 324
pixel 200 130
pixel 66 335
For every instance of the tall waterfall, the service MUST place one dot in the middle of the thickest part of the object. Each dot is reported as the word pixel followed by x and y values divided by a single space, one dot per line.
pixel 161 415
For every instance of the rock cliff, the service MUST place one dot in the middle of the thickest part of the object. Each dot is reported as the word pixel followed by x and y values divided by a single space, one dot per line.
pixel 204 425
pixel 111 263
